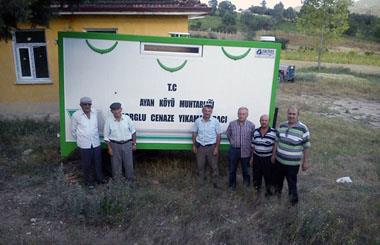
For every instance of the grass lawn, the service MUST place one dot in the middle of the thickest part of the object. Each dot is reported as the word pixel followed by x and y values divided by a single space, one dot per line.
pixel 333 57
pixel 41 203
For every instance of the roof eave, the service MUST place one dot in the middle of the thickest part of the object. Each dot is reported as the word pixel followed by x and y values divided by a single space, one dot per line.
pixel 190 14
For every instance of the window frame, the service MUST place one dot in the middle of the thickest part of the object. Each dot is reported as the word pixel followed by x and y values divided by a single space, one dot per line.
pixel 33 79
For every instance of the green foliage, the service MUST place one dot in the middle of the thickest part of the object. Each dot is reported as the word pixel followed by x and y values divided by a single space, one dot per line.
pixel 34 12
pixel 278 12
pixel 11 13
pixel 290 14
pixel 253 23
pixel 213 5
pixel 364 26
pixel 226 7
pixel 332 57
pixel 227 12
pixel 326 18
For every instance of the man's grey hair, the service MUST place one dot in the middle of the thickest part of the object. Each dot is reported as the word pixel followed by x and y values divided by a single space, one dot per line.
pixel 293 107
pixel 243 108
pixel 264 115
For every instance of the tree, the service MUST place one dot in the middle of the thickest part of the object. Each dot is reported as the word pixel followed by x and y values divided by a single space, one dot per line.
pixel 290 14
pixel 278 11
pixel 263 4
pixel 213 5
pixel 258 10
pixel 325 18
pixel 226 7
pixel 35 12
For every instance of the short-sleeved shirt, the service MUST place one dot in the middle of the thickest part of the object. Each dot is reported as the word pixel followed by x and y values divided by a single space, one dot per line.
pixel 118 130
pixel 263 144
pixel 207 131
pixel 291 142
pixel 85 130
pixel 240 135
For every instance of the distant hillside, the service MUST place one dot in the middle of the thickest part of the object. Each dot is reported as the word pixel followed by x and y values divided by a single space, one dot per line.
pixel 366 7
pixel 371 7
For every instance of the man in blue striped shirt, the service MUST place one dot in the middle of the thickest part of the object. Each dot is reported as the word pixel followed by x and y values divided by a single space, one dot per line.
pixel 263 141
pixel 291 151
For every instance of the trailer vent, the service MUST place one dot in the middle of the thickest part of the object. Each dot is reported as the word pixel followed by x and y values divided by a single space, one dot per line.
pixel 171 49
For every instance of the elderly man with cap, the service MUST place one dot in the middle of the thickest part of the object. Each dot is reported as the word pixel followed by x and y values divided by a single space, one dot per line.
pixel 84 128
pixel 239 134
pixel 206 141
pixel 120 136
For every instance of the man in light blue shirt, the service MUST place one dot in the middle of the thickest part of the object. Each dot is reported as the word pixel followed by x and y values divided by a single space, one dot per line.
pixel 120 136
pixel 206 141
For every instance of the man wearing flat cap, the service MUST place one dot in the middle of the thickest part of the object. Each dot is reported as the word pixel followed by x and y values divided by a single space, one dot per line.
pixel 206 141
pixel 120 136
pixel 84 128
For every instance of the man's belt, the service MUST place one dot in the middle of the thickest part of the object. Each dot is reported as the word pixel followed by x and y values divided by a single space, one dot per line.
pixel 120 142
pixel 199 144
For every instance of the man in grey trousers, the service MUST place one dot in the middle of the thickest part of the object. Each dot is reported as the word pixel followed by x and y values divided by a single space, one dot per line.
pixel 120 136
pixel 206 140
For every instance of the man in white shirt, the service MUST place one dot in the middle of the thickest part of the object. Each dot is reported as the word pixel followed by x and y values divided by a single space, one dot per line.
pixel 84 128
pixel 120 136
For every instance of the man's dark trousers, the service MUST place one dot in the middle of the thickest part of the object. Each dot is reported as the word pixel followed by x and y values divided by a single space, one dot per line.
pixel 290 173
pixel 234 155
pixel 263 167
pixel 92 162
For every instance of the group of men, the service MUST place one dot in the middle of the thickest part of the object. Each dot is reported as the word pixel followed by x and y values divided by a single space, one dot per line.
pixel 273 154
pixel 119 135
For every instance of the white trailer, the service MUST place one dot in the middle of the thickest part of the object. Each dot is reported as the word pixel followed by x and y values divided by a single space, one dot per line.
pixel 163 82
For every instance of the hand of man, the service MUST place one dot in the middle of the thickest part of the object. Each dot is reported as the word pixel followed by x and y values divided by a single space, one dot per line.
pixel 273 159
pixel 305 165
pixel 110 151
pixel 216 151
pixel 195 149
pixel 133 147
pixel 251 162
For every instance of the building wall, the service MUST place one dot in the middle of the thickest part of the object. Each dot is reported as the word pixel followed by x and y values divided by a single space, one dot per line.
pixel 39 100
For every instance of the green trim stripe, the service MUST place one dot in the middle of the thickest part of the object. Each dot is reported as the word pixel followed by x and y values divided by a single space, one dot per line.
pixel 272 106
pixel 171 69
pixel 99 50
pixel 235 57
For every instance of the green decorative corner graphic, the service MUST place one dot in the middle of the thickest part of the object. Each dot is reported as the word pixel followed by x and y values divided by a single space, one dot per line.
pixel 236 57
pixel 100 50
pixel 171 69
pixel 71 112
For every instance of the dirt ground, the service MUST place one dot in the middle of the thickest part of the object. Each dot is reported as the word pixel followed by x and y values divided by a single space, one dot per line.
pixel 167 207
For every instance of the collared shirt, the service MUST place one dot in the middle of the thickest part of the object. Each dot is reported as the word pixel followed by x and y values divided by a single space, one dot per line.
pixel 240 136
pixel 85 130
pixel 263 144
pixel 291 142
pixel 118 130
pixel 207 131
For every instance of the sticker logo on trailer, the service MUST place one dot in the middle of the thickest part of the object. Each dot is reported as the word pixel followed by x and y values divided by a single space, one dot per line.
pixel 264 53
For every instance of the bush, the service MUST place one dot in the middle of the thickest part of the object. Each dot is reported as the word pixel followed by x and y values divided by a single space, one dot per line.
pixel 284 42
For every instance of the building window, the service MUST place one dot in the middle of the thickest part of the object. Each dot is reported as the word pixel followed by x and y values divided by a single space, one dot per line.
pixel 31 57
pixel 102 30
